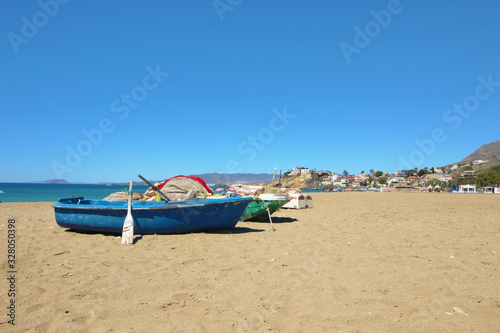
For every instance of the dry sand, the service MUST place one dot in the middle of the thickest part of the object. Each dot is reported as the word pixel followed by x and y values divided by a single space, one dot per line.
pixel 356 262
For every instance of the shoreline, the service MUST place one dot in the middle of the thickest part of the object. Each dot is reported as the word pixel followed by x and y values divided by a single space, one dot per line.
pixel 305 192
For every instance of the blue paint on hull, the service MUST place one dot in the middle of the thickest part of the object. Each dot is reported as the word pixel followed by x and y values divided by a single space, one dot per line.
pixel 150 217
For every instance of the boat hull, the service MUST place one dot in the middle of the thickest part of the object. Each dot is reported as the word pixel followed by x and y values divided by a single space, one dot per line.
pixel 173 217
pixel 257 211
pixel 300 202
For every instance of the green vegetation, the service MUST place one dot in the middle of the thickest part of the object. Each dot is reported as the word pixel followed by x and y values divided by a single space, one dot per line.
pixel 423 172
pixel 489 176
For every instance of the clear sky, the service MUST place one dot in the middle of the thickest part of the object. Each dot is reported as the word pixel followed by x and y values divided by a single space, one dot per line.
pixel 97 91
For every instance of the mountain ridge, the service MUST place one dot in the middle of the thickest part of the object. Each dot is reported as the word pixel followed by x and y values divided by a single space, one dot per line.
pixel 233 178
pixel 485 152
pixel 214 178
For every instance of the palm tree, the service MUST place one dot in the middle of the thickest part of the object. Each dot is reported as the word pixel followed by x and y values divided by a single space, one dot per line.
pixel 416 175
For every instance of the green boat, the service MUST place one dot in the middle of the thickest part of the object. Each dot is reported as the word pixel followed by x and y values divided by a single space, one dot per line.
pixel 257 209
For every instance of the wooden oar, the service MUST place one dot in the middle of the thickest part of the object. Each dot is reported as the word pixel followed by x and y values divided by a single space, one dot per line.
pixel 162 195
pixel 268 213
pixel 128 225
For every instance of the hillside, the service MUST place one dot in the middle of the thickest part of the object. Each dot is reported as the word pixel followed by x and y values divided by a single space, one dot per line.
pixel 486 152
pixel 489 153
pixel 308 181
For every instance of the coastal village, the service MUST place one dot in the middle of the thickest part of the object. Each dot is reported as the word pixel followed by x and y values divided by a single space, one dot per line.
pixel 460 177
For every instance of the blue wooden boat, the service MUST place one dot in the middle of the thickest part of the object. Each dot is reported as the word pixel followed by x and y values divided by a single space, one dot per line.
pixel 150 217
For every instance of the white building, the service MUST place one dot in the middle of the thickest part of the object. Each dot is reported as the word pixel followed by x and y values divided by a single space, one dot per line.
pixel 446 178
pixel 335 176
pixel 394 180
pixel 297 170
pixel 467 189
pixel 491 189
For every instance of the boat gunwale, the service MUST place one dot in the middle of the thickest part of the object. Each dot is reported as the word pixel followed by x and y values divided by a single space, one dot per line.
pixel 147 205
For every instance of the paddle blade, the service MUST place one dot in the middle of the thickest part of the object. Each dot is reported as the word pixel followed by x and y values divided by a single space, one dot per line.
pixel 128 230
pixel 128 225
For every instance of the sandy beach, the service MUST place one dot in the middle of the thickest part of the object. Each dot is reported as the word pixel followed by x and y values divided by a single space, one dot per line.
pixel 356 262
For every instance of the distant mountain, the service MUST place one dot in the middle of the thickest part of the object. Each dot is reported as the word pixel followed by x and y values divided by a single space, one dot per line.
pixel 235 178
pixel 489 152
pixel 214 178
pixel 56 181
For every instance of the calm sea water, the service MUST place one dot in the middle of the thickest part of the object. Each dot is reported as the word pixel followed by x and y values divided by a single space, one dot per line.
pixel 18 192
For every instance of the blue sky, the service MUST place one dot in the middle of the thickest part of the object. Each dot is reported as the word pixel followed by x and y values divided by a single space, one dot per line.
pixel 97 91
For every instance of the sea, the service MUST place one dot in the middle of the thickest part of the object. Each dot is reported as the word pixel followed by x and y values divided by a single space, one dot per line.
pixel 22 192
